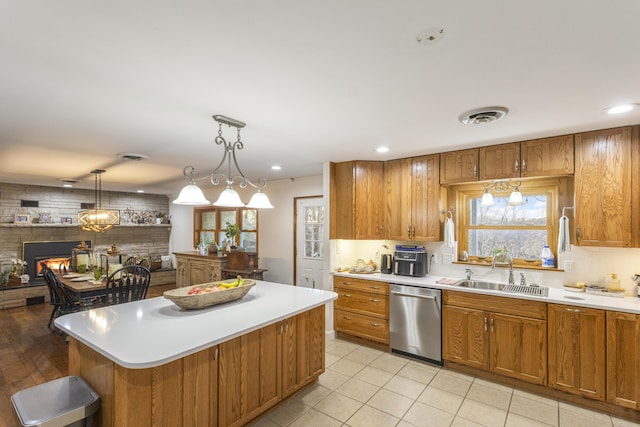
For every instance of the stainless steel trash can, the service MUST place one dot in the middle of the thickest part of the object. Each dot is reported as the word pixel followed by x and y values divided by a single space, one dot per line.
pixel 67 401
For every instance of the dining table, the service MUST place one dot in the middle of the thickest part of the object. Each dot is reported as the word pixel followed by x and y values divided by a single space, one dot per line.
pixel 83 286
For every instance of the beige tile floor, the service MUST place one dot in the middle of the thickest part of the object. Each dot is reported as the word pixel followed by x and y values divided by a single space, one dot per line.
pixel 364 387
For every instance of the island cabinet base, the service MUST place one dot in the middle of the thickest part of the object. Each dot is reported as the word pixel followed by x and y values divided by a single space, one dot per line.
pixel 226 385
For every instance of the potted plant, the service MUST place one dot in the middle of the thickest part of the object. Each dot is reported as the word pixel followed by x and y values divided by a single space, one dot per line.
pixel 231 231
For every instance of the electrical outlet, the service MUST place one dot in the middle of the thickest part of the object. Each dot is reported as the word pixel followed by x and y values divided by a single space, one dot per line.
pixel 435 258
pixel 569 265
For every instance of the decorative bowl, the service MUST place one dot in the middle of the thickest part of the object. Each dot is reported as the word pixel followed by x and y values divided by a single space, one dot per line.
pixel 182 299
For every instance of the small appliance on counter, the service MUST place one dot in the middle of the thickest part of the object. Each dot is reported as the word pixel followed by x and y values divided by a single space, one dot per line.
pixel 410 261
pixel 386 264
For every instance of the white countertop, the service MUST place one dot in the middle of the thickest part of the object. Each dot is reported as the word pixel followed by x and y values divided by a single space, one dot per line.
pixel 155 331
pixel 556 295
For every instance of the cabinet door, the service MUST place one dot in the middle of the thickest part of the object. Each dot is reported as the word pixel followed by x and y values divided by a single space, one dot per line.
pixel 577 350
pixel 603 188
pixel 519 347
pixel 425 198
pixel 547 157
pixel 623 359
pixel 368 215
pixel 500 161
pixel 302 349
pixel 398 198
pixel 248 376
pixel 464 336
pixel 198 272
pixel 459 166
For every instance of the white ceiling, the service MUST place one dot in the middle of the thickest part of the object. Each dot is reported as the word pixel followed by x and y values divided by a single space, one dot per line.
pixel 83 80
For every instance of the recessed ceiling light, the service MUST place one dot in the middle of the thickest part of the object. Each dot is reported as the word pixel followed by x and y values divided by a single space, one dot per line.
pixel 132 156
pixel 276 167
pixel 68 183
pixel 382 149
pixel 619 109
pixel 140 191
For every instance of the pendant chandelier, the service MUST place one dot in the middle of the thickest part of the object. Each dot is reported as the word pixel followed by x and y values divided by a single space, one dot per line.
pixel 192 195
pixel 515 198
pixel 98 219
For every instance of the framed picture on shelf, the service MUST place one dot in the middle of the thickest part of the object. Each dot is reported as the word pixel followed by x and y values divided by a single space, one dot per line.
pixel 45 218
pixel 21 218
pixel 66 220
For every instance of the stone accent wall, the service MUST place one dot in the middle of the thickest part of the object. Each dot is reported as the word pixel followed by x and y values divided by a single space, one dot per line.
pixel 149 241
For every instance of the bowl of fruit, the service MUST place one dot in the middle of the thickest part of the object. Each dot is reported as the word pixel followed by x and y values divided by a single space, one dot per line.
pixel 209 294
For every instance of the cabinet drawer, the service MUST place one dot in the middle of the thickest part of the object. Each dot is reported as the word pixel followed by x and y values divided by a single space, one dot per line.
pixel 362 326
pixel 504 305
pixel 363 303
pixel 361 285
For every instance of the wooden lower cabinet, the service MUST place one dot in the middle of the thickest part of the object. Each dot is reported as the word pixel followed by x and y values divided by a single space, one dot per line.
pixel 193 269
pixel 577 350
pixel 464 336
pixel 362 308
pixel 623 359
pixel 225 385
pixel 248 382
pixel 492 333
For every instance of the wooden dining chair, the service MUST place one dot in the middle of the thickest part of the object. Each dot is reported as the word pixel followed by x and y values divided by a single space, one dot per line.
pixel 127 284
pixel 54 299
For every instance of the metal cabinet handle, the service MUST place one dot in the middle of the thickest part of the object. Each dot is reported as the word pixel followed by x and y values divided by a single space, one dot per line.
pixel 485 323
pixel 402 294
pixel 524 166
pixel 413 231
pixel 346 317
pixel 374 287
pixel 491 324
pixel 346 295
pixel 346 283
pixel 374 300
pixel 516 165
pixel 475 169
pixel 215 354
pixel 286 326
pixel 573 310
pixel 409 232
pixel 374 324
pixel 578 236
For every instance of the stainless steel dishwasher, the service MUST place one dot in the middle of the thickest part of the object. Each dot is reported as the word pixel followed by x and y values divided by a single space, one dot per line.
pixel 415 322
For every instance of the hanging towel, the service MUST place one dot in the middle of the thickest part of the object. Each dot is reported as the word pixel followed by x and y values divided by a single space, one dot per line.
pixel 564 242
pixel 449 238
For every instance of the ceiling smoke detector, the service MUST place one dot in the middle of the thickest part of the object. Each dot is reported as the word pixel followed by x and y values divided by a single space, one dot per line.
pixel 483 115
pixel 132 156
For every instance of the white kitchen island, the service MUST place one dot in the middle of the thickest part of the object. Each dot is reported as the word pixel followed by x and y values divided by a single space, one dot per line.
pixel 153 363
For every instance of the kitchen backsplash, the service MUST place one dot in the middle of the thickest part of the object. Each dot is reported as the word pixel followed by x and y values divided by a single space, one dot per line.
pixel 588 264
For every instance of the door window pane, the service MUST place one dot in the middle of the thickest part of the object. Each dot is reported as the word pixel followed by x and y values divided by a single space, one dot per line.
pixel 313 220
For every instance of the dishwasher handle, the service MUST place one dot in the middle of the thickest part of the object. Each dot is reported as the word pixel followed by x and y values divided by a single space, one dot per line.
pixel 403 294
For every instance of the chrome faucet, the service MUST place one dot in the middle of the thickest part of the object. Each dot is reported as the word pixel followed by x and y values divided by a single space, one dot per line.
pixel 468 272
pixel 503 254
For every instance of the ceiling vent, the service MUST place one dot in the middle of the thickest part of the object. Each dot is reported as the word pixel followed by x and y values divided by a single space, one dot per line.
pixel 483 115
pixel 132 156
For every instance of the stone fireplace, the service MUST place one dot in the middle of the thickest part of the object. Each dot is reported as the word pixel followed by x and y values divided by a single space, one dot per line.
pixel 55 252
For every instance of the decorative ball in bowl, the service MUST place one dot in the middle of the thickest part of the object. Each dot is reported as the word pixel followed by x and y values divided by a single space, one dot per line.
pixel 209 294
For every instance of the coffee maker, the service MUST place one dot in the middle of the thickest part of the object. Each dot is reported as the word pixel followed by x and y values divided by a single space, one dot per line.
pixel 386 264
pixel 410 261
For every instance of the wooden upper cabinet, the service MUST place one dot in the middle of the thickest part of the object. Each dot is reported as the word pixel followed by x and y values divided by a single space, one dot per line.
pixel 603 193
pixel 547 157
pixel 500 161
pixel 413 198
pixel 540 157
pixel 459 166
pixel 357 200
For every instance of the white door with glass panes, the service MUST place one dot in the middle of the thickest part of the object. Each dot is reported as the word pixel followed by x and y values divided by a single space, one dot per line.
pixel 309 241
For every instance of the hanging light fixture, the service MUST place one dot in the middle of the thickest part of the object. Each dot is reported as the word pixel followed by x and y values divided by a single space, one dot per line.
pixel 191 194
pixel 502 187
pixel 98 219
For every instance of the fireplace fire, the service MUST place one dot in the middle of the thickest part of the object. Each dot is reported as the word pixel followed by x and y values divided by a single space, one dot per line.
pixel 58 263
pixel 53 252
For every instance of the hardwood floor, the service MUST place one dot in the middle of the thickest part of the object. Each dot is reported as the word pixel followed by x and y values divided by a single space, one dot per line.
pixel 31 354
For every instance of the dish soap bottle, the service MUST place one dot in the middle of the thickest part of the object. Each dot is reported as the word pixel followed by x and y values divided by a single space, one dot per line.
pixel 613 283
pixel 548 261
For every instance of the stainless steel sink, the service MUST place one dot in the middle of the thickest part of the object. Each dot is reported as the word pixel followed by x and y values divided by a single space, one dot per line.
pixel 480 284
